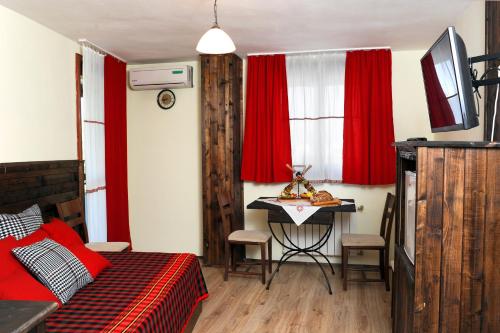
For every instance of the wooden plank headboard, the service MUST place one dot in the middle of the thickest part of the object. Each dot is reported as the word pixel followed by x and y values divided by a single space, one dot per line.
pixel 46 183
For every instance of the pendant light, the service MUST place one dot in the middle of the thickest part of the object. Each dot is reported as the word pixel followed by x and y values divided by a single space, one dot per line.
pixel 215 40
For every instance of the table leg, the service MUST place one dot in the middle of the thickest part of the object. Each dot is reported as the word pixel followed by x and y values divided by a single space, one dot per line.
pixel 294 249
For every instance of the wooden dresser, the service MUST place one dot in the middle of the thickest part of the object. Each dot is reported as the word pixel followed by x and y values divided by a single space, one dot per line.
pixel 453 283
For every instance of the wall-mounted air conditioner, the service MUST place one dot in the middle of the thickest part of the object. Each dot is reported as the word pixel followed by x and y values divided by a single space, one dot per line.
pixel 161 78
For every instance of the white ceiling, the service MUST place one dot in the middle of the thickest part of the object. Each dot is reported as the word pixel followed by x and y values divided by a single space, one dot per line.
pixel 149 30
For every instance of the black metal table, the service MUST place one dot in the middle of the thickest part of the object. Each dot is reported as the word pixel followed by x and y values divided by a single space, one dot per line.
pixel 324 216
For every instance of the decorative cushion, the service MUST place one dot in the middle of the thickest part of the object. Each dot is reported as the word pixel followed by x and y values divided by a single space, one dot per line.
pixel 55 266
pixel 22 224
pixel 15 282
pixel 66 236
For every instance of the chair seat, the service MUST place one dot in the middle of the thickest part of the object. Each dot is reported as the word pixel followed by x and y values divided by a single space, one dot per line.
pixel 362 240
pixel 255 236
pixel 108 246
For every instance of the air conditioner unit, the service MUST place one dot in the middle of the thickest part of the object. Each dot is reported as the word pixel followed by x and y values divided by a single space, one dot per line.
pixel 161 78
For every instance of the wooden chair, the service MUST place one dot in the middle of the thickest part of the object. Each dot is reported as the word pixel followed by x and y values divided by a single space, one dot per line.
pixel 242 237
pixel 71 212
pixel 371 242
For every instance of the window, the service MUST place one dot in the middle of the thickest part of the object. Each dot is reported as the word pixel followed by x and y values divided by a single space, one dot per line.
pixel 316 109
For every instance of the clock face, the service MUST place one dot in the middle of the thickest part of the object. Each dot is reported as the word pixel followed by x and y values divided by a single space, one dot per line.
pixel 166 99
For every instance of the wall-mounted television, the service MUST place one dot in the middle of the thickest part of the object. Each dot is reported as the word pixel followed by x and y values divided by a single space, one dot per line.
pixel 448 84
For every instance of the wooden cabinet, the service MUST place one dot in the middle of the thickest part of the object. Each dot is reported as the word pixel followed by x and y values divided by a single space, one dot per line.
pixel 454 283
pixel 221 112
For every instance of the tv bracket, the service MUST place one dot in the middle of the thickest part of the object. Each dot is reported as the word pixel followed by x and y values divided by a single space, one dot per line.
pixel 483 81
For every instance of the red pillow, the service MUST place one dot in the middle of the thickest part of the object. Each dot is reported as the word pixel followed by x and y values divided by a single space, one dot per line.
pixel 37 236
pixel 62 233
pixel 10 265
pixel 15 282
pixel 67 237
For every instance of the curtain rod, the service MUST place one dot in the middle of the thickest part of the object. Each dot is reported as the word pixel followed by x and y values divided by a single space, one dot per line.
pixel 321 50
pixel 95 47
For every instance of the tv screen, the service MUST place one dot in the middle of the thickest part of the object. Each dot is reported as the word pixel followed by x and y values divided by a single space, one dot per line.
pixel 448 84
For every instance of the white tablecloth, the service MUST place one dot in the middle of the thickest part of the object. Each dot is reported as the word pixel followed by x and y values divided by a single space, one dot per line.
pixel 299 211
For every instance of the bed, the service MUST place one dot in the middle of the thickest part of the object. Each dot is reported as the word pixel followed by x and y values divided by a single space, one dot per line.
pixel 141 292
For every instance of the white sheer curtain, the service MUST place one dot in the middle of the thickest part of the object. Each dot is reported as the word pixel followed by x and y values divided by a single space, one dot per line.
pixel 93 144
pixel 316 107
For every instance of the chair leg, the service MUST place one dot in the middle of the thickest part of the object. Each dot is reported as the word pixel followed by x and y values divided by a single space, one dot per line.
pixel 381 264
pixel 345 258
pixel 342 263
pixel 387 269
pixel 270 254
pixel 233 258
pixel 263 261
pixel 226 259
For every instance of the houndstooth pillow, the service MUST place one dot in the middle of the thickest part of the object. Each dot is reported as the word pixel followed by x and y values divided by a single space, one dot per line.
pixel 22 224
pixel 55 266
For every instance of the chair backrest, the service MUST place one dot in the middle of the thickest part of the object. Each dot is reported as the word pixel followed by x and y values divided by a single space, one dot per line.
pixel 388 218
pixel 226 211
pixel 71 212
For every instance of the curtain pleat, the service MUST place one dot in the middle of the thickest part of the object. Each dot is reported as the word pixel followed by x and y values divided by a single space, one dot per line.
pixel 266 146
pixel 368 155
pixel 115 111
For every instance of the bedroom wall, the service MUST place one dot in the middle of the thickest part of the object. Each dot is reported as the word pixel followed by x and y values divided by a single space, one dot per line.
pixel 471 26
pixel 165 163
pixel 164 159
pixel 37 103
pixel 164 154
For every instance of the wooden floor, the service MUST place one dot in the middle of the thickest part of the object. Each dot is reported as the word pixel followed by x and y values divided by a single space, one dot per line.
pixel 298 301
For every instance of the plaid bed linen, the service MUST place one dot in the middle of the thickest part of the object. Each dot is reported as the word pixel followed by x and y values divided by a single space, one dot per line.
pixel 141 292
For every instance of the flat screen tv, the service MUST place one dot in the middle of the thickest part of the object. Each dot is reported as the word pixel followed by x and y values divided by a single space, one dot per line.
pixel 448 84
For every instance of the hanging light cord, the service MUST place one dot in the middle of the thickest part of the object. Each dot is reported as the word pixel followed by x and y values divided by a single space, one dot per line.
pixel 215 14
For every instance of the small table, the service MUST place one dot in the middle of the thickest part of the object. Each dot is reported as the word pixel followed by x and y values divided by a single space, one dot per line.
pixel 24 316
pixel 324 216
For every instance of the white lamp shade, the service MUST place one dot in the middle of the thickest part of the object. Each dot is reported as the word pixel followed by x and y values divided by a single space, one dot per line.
pixel 215 41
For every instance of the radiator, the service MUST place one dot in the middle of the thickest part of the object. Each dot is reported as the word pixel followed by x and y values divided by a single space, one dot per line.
pixel 308 234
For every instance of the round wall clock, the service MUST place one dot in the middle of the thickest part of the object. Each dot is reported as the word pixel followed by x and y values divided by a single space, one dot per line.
pixel 166 99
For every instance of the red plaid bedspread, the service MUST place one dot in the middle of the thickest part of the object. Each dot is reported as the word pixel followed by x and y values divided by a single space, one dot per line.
pixel 141 292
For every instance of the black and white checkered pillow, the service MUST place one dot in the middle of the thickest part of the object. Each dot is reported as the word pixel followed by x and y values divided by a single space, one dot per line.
pixel 55 266
pixel 22 224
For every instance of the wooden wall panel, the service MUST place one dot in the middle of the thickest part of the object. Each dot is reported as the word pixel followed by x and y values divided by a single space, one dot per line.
pixel 473 238
pixel 221 98
pixel 491 299
pixel 457 252
pixel 46 183
pixel 431 271
pixel 453 209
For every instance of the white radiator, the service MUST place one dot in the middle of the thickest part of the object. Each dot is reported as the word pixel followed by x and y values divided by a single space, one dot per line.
pixel 308 234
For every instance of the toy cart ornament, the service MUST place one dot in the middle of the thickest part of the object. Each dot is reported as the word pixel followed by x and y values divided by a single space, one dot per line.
pixel 297 180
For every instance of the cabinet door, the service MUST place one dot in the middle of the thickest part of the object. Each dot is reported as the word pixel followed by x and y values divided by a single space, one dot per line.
pixel 404 289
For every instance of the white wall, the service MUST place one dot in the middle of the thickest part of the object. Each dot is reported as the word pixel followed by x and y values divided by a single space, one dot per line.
pixel 37 91
pixel 164 160
pixel 471 27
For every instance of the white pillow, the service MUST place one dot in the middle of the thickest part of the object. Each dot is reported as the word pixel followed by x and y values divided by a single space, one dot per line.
pixel 22 224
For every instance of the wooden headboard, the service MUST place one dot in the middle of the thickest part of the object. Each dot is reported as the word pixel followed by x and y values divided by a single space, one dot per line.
pixel 45 183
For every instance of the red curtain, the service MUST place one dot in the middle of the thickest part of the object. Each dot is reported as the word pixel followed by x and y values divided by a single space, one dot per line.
pixel 266 147
pixel 115 118
pixel 368 155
